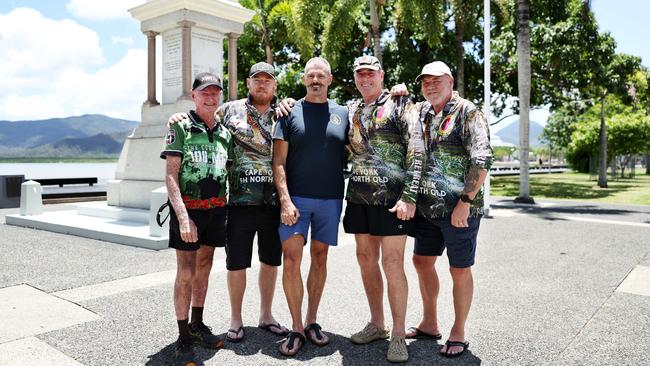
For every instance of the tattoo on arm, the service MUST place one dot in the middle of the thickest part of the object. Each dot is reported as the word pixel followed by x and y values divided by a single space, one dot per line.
pixel 173 186
pixel 474 180
pixel 280 151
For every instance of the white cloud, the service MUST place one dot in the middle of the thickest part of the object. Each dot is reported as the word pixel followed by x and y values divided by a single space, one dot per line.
pixel 49 69
pixel 122 40
pixel 103 9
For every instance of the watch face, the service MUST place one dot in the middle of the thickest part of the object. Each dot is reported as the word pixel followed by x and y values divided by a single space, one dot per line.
pixel 465 198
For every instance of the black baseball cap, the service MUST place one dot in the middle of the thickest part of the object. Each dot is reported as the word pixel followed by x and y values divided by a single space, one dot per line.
pixel 262 67
pixel 206 79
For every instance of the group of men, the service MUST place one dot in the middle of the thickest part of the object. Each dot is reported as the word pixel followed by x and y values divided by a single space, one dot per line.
pixel 417 169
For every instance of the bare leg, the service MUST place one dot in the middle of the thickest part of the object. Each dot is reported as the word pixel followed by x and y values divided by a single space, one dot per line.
pixel 463 292
pixel 316 283
pixel 368 259
pixel 392 248
pixel 202 275
pixel 185 271
pixel 429 289
pixel 236 289
pixel 292 282
pixel 267 279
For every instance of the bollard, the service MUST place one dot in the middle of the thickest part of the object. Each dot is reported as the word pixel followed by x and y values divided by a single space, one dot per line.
pixel 158 197
pixel 31 198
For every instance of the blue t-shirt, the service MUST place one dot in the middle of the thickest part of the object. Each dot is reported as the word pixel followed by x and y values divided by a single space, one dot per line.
pixel 317 135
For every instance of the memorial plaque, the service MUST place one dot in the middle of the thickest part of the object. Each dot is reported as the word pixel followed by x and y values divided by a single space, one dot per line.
pixel 207 51
pixel 172 85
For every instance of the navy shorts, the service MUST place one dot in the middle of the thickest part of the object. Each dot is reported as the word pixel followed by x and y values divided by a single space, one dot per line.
pixel 433 236
pixel 323 215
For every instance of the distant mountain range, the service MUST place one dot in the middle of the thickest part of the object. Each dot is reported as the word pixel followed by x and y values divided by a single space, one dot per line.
pixel 510 133
pixel 90 134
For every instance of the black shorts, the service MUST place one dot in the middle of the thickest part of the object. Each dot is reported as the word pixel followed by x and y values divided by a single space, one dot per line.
pixel 210 226
pixel 433 236
pixel 243 223
pixel 373 220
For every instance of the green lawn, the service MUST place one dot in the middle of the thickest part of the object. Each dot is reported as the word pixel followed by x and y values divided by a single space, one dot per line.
pixel 577 186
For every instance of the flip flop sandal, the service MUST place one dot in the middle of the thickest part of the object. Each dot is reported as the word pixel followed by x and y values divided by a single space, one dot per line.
pixel 450 344
pixel 418 334
pixel 290 342
pixel 276 329
pixel 316 337
pixel 235 339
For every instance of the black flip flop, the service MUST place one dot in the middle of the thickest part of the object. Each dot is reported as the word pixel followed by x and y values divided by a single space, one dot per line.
pixel 418 334
pixel 290 339
pixel 317 333
pixel 450 344
pixel 236 331
pixel 271 327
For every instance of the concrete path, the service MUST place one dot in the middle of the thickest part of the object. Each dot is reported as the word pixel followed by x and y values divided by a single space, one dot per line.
pixel 560 283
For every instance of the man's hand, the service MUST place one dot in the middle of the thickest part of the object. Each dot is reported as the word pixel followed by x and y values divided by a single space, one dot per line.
pixel 188 230
pixel 284 107
pixel 175 118
pixel 404 211
pixel 399 90
pixel 460 214
pixel 289 214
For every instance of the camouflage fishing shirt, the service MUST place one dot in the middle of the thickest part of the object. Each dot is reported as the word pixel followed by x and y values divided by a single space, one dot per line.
pixel 204 154
pixel 456 138
pixel 251 175
pixel 387 151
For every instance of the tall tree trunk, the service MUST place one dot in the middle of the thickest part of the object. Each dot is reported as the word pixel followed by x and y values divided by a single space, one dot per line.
pixel 265 35
pixel 374 29
pixel 523 83
pixel 602 155
pixel 647 163
pixel 460 53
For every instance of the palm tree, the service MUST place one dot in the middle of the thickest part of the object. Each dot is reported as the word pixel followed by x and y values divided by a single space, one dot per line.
pixel 523 81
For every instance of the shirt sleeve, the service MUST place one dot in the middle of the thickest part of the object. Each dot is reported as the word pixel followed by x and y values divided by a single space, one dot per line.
pixel 477 143
pixel 281 129
pixel 174 141
pixel 414 159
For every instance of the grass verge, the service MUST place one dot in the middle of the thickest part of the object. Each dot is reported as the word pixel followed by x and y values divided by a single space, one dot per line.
pixel 577 186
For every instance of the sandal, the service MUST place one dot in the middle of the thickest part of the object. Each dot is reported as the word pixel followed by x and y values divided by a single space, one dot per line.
pixel 235 339
pixel 416 333
pixel 450 344
pixel 290 342
pixel 317 336
pixel 276 329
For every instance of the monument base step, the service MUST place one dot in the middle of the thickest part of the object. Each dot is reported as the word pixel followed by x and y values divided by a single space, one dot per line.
pixel 112 224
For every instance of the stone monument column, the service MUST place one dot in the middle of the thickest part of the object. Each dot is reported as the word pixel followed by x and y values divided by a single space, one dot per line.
pixel 232 65
pixel 192 34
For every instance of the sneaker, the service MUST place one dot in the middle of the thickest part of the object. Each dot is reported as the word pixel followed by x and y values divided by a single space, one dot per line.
pixel 202 336
pixel 397 351
pixel 184 354
pixel 370 333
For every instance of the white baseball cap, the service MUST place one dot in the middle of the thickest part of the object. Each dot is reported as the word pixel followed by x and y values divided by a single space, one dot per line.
pixel 436 68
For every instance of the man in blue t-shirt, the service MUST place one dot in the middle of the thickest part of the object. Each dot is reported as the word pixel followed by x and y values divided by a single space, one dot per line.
pixel 308 159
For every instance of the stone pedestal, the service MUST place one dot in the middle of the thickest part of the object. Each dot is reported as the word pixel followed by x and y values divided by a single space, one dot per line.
pixel 193 33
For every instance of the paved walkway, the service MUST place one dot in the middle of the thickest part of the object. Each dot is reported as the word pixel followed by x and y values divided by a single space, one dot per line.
pixel 560 283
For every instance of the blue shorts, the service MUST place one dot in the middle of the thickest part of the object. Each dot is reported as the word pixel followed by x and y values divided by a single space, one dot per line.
pixel 322 214
pixel 433 236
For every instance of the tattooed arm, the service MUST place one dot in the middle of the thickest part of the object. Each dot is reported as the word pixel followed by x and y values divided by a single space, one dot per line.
pixel 289 214
pixel 185 223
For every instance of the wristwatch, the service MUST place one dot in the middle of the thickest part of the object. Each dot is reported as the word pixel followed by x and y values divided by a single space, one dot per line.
pixel 465 198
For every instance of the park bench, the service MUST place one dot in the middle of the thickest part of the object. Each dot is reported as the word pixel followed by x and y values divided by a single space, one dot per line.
pixel 65 181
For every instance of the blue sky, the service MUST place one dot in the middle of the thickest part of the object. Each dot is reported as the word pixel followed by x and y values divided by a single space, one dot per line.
pixel 68 57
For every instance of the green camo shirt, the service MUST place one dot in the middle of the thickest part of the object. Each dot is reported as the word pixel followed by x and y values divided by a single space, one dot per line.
pixel 204 154
pixel 455 139
pixel 251 175
pixel 387 151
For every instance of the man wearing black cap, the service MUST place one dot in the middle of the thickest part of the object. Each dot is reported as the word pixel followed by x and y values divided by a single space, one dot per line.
pixel 196 150
pixel 450 201
pixel 253 200
pixel 387 156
